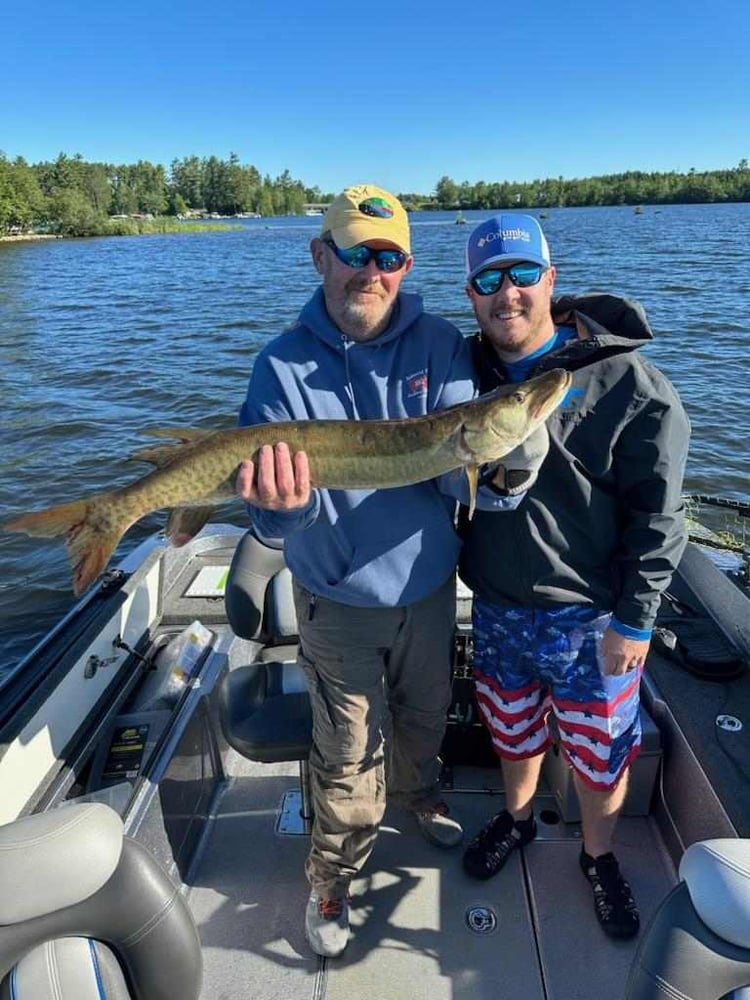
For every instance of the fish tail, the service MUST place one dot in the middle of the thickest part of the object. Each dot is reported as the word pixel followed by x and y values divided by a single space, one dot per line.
pixel 91 533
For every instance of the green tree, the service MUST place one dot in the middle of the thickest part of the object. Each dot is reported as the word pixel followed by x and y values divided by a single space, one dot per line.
pixel 22 202
pixel 186 180
pixel 446 193
pixel 74 214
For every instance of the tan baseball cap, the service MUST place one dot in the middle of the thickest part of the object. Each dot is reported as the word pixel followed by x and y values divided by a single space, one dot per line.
pixel 366 212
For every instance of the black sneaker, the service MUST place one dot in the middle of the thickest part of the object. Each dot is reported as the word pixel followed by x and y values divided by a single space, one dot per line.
pixel 613 897
pixel 490 849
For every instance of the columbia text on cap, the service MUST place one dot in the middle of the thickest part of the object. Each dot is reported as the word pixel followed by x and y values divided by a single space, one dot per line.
pixel 366 212
pixel 506 239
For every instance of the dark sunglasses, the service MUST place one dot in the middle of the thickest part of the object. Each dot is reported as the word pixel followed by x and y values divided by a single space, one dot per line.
pixel 385 260
pixel 522 275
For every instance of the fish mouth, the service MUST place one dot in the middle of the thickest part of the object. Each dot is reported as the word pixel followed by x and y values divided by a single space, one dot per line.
pixel 549 392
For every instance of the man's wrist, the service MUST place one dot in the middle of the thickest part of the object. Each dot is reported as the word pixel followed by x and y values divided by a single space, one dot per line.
pixel 640 634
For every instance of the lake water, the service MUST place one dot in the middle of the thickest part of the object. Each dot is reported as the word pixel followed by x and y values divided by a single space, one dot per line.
pixel 101 338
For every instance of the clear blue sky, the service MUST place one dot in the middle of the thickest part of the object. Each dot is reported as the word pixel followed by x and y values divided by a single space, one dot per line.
pixel 399 94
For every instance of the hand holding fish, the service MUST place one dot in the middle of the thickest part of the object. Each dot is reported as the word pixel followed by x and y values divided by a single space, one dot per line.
pixel 282 481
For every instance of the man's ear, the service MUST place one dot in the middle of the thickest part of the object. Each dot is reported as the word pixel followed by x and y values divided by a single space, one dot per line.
pixel 316 252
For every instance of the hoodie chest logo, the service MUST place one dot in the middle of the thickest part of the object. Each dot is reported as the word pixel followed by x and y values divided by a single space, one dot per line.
pixel 416 384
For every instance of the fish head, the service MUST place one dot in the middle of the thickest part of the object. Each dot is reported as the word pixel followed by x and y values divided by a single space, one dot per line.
pixel 498 422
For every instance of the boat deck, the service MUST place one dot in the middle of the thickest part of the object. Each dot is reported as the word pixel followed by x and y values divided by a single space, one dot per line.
pixel 421 928
pixel 411 933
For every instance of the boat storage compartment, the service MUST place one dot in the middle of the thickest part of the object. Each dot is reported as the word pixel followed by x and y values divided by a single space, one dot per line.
pixel 126 747
pixel 643 772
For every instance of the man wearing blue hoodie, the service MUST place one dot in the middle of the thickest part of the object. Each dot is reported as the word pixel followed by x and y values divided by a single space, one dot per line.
pixel 373 569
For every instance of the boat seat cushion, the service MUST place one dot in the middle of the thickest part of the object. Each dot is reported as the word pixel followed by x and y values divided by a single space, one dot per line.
pixel 717 874
pixel 264 705
pixel 265 711
pixel 258 595
pixel 71 968
pixel 68 855
pixel 281 615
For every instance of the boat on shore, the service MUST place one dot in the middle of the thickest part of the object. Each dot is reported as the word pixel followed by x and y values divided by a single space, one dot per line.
pixel 168 704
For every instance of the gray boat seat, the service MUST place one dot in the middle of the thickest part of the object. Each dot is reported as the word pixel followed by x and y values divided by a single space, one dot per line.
pixel 697 947
pixel 264 705
pixel 86 912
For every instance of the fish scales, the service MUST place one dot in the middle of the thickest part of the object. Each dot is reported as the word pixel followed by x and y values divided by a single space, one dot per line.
pixel 343 454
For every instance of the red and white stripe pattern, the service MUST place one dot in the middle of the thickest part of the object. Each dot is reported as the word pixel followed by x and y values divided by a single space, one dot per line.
pixel 517 721
pixel 590 732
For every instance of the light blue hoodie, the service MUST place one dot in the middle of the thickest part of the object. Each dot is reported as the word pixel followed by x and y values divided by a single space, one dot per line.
pixel 368 548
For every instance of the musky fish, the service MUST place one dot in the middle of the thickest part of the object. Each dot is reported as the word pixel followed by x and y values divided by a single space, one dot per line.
pixel 193 476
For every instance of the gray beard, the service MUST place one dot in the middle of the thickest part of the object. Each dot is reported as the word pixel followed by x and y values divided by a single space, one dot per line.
pixel 357 320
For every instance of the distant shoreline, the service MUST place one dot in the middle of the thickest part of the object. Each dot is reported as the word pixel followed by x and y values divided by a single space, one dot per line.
pixel 18 237
pixel 162 225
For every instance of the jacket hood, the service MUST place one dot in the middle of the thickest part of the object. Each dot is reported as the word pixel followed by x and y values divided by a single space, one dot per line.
pixel 608 318
pixel 407 309
pixel 607 325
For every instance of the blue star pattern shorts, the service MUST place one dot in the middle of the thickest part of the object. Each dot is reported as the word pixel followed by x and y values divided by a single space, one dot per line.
pixel 528 661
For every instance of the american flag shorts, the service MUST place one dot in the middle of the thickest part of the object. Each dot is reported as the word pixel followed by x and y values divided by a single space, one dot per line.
pixel 530 661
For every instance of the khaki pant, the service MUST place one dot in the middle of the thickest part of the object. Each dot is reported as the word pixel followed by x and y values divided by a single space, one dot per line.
pixel 371 670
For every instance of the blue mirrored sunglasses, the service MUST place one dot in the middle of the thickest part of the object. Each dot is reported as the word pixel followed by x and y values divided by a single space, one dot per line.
pixel 385 260
pixel 522 275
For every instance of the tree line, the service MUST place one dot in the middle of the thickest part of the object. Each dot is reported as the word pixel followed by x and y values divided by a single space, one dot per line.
pixel 635 187
pixel 71 196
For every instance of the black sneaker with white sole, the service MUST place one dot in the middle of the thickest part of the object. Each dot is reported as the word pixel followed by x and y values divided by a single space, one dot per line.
pixel 490 849
pixel 615 907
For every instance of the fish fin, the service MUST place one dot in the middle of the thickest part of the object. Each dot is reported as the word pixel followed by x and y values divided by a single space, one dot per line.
pixel 472 474
pixel 90 537
pixel 164 454
pixel 160 457
pixel 184 434
pixel 184 523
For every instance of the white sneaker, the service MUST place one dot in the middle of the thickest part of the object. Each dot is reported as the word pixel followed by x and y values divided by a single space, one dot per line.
pixel 438 826
pixel 327 924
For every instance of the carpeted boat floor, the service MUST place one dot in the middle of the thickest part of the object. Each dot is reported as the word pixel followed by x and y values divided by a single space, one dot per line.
pixel 421 928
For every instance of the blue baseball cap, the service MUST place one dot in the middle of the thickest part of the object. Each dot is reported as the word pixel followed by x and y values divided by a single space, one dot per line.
pixel 506 239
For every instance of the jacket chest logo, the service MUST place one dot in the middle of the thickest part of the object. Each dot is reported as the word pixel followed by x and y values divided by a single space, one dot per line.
pixel 572 399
